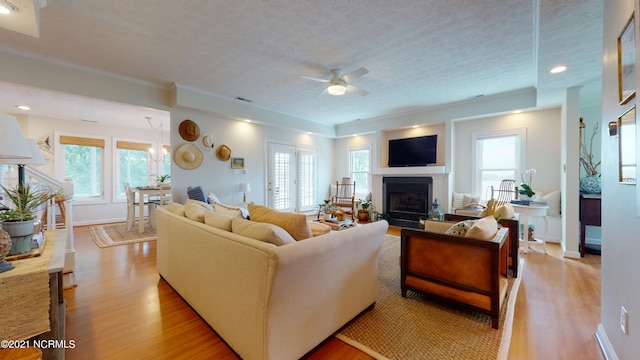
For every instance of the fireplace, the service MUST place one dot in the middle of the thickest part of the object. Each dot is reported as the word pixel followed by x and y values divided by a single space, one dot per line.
pixel 406 199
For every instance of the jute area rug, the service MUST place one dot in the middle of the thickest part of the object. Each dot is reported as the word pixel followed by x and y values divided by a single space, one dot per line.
pixel 416 327
pixel 117 234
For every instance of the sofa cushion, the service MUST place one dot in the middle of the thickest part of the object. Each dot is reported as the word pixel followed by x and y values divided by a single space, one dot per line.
pixel 223 209
pixel 460 228
pixel 220 221
pixel 484 229
pixel 195 210
pixel 295 224
pixel 318 229
pixel 261 231
pixel 176 208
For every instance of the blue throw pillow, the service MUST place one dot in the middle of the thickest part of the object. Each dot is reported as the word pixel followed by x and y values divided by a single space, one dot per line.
pixel 197 193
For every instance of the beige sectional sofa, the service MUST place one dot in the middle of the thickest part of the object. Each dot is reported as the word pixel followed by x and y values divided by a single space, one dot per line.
pixel 268 301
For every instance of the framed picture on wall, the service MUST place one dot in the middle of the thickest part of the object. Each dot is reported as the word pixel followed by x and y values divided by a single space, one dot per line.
pixel 237 163
pixel 627 62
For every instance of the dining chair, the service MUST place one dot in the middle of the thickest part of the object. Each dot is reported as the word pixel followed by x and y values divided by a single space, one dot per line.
pixel 133 204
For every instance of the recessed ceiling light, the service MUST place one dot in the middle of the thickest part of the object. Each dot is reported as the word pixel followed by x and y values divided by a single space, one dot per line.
pixel 558 69
pixel 23 107
pixel 415 126
pixel 517 111
pixel 247 120
pixel 7 8
pixel 309 133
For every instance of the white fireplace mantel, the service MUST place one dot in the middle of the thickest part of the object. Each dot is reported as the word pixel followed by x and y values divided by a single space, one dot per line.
pixel 440 185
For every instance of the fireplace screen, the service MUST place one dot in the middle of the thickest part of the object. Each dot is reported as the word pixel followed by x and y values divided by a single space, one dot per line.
pixel 408 202
pixel 406 199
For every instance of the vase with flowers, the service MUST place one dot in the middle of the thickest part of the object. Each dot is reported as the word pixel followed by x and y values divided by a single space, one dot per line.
pixel 525 190
pixel 591 183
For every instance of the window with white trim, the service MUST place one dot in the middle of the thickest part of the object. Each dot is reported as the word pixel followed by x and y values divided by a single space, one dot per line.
pixel 132 159
pixel 498 156
pixel 83 161
pixel 359 168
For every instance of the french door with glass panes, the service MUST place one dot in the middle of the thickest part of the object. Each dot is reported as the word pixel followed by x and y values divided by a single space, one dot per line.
pixel 281 177
pixel 292 178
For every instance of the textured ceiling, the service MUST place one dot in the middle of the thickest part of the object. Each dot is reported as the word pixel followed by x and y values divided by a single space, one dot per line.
pixel 420 53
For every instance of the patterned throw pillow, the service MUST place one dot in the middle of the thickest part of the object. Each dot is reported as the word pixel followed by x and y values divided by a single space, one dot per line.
pixel 460 228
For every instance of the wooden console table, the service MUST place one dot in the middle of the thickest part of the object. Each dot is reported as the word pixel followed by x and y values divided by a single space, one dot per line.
pixel 25 305
pixel 590 214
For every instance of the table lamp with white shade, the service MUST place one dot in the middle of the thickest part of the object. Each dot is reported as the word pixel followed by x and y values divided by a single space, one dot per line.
pixel 245 188
pixel 12 143
pixel 36 159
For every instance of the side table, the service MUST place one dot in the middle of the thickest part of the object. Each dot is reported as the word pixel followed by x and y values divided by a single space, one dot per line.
pixel 532 210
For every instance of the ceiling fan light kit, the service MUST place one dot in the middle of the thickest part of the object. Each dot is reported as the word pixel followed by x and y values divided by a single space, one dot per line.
pixel 340 84
pixel 336 89
pixel 7 8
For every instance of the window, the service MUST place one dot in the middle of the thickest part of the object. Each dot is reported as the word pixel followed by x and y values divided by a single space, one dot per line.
pixel 133 164
pixel 498 157
pixel 84 163
pixel 306 180
pixel 359 165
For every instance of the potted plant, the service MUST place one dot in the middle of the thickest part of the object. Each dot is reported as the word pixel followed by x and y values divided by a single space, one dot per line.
pixel 363 213
pixel 162 181
pixel 20 221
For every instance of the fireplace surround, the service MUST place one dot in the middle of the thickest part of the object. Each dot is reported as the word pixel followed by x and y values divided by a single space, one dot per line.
pixel 406 199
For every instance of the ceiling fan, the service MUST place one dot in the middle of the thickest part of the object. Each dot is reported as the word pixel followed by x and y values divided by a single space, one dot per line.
pixel 339 84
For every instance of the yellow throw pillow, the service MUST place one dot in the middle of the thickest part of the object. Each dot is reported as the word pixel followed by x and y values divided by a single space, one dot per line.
pixel 484 229
pixel 195 210
pixel 228 210
pixel 176 208
pixel 261 231
pixel 318 229
pixel 220 221
pixel 293 223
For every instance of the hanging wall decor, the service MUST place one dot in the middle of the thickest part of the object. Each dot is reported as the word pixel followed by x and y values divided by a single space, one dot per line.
pixel 627 62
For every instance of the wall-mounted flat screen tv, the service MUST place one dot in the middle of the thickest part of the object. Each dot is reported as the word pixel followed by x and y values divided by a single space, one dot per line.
pixel 417 151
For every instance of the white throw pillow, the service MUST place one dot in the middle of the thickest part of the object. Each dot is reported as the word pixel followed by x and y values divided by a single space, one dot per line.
pixel 460 228
pixel 470 200
pixel 458 200
pixel 484 229
pixel 212 198
pixel 553 201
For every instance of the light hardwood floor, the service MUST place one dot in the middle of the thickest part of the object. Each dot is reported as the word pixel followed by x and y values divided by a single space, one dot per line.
pixel 121 309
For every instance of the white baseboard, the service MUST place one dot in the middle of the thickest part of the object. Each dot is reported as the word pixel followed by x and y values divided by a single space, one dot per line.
pixel 605 344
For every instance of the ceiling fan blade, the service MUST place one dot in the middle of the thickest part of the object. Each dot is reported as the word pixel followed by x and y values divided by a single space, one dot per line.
pixel 357 90
pixel 324 91
pixel 314 79
pixel 355 74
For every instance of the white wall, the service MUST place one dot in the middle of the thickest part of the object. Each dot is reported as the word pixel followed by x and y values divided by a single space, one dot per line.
pixel 543 146
pixel 620 222
pixel 248 141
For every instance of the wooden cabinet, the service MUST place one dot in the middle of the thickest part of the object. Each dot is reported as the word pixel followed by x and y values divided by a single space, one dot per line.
pixel 590 214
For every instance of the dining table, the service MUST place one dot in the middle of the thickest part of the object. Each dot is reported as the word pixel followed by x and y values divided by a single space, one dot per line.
pixel 148 192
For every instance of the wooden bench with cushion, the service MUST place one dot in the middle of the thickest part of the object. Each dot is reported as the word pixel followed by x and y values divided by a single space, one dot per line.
pixel 465 270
